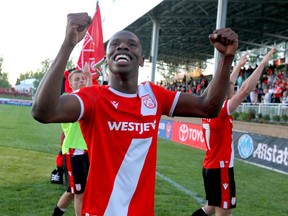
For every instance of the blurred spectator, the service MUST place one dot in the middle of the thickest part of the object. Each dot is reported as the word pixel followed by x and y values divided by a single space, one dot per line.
pixel 266 98
pixel 265 79
pixel 260 92
pixel 275 81
pixel 240 78
pixel 284 98
pixel 277 93
pixel 254 96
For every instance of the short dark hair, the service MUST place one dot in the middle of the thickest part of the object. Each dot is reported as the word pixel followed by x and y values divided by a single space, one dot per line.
pixel 73 72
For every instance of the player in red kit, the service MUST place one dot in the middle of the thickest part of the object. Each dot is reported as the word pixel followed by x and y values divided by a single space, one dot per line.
pixel 119 121
pixel 218 171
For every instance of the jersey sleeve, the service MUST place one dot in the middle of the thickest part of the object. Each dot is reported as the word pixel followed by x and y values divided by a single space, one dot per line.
pixel 87 97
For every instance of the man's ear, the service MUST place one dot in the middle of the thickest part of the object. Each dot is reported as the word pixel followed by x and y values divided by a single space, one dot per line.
pixel 142 61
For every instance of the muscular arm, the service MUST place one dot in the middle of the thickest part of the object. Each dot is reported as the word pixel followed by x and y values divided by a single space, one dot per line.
pixel 210 102
pixel 249 84
pixel 48 106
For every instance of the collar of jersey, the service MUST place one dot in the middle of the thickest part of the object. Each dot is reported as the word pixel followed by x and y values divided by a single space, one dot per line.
pixel 122 94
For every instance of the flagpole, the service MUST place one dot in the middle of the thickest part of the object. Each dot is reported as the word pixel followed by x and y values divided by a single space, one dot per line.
pixel 93 47
pixel 97 2
pixel 103 67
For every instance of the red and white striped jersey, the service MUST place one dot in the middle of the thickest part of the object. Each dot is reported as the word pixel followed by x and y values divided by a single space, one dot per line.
pixel 121 132
pixel 219 140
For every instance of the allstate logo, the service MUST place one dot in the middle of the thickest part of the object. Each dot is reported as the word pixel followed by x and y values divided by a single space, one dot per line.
pixel 245 146
pixel 183 132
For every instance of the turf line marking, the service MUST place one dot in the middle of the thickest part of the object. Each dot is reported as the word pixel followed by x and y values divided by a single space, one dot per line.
pixel 181 188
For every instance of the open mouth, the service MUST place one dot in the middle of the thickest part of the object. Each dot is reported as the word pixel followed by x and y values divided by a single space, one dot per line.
pixel 122 58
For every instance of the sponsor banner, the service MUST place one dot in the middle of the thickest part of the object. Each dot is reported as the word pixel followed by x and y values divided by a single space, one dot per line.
pixel 165 129
pixel 188 134
pixel 267 151
pixel 16 102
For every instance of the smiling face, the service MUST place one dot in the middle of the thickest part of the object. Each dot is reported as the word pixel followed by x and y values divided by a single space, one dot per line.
pixel 77 79
pixel 124 53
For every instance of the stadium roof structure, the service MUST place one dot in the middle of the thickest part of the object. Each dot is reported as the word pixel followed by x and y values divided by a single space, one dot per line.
pixel 186 24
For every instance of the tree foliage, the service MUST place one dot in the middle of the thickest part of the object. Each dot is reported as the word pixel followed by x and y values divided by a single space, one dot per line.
pixel 23 76
pixel 45 66
pixel 39 73
pixel 4 82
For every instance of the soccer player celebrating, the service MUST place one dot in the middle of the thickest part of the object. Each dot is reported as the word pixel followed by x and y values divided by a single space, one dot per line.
pixel 218 171
pixel 119 121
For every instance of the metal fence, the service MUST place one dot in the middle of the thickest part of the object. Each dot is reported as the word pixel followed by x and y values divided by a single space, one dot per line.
pixel 271 109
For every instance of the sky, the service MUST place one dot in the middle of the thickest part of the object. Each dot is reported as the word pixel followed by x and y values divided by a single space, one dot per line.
pixel 33 30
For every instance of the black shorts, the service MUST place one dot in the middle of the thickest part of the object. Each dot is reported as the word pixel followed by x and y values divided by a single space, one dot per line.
pixel 220 187
pixel 77 168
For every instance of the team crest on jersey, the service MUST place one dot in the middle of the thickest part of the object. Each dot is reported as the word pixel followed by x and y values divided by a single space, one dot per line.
pixel 148 102
pixel 233 200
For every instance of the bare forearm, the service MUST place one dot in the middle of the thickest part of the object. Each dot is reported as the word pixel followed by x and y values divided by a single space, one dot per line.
pixel 217 89
pixel 237 68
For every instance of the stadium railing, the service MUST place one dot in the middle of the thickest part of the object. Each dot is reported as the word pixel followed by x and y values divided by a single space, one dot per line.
pixel 271 109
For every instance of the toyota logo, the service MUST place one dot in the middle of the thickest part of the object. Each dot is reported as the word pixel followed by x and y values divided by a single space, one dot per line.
pixel 183 132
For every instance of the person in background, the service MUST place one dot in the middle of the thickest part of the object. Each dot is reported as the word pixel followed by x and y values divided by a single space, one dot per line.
pixel 277 94
pixel 254 96
pixel 240 78
pixel 260 92
pixel 239 67
pixel 74 149
pixel 218 164
pixel 284 98
pixel 119 121
pixel 267 97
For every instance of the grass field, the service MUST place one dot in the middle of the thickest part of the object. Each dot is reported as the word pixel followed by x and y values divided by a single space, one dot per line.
pixel 27 157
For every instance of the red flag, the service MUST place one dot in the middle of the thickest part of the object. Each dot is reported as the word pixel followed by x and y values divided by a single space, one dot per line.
pixel 93 47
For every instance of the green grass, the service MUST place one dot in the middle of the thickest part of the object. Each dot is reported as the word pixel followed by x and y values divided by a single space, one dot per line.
pixel 27 157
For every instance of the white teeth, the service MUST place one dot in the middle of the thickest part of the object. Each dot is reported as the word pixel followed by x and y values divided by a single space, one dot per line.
pixel 122 58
